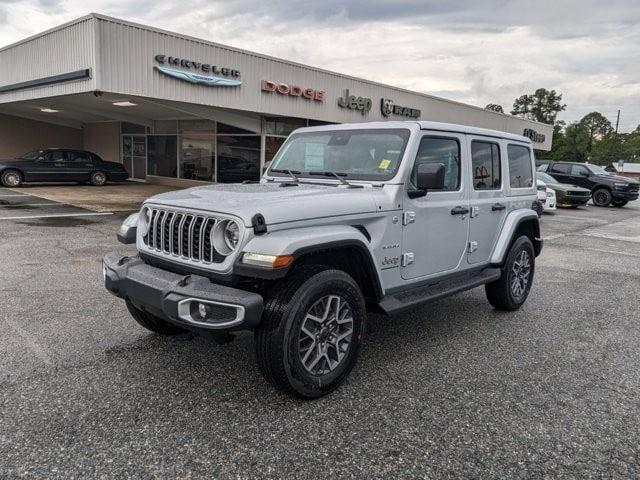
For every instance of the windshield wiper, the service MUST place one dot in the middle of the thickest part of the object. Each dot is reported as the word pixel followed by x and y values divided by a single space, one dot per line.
pixel 337 175
pixel 291 173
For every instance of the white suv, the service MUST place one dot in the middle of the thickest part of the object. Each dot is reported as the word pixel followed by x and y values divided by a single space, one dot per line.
pixel 348 218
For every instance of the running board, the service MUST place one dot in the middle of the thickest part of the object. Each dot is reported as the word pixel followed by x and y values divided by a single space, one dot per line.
pixel 405 299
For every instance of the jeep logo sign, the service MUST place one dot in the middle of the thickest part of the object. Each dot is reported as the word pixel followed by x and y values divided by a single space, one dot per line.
pixel 361 104
pixel 388 108
pixel 534 136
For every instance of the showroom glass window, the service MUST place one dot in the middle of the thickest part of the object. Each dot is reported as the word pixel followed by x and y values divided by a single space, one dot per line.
pixel 520 169
pixel 440 150
pixel 197 149
pixel 238 154
pixel 162 151
pixel 485 165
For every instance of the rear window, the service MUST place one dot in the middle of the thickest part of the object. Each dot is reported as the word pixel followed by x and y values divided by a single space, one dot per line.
pixel 561 168
pixel 485 163
pixel 520 167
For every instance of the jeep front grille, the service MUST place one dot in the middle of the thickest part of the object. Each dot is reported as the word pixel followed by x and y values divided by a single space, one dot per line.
pixel 181 234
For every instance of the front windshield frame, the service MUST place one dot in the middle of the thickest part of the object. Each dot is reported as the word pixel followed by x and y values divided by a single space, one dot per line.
pixel 597 170
pixel 277 170
pixel 32 155
pixel 541 176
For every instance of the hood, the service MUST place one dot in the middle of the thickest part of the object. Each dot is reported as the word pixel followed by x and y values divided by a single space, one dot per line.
pixel 276 203
pixel 11 162
pixel 618 178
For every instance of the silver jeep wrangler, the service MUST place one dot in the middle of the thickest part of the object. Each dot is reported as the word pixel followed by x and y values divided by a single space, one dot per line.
pixel 347 218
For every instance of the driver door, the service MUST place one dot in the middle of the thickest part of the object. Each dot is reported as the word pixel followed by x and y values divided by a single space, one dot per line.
pixel 436 226
pixel 51 168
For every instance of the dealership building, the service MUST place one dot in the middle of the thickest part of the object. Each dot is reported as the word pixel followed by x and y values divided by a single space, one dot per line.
pixel 176 109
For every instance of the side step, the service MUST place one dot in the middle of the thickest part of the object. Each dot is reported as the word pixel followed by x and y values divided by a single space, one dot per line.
pixel 431 292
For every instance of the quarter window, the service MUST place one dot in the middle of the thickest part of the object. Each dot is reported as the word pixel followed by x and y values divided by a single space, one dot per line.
pixel 485 161
pixel 440 150
pixel 520 169
pixel 55 156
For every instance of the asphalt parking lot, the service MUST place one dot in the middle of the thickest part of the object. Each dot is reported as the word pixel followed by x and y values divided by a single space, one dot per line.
pixel 453 390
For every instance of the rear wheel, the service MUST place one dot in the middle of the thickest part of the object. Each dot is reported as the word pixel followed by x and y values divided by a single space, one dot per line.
pixel 153 323
pixel 619 203
pixel 11 178
pixel 511 290
pixel 312 328
pixel 98 179
pixel 602 197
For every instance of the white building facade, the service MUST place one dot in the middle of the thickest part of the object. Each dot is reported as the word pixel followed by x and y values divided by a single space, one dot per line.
pixel 178 109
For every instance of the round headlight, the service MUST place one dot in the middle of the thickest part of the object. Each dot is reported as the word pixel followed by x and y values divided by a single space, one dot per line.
pixel 144 218
pixel 225 236
pixel 232 235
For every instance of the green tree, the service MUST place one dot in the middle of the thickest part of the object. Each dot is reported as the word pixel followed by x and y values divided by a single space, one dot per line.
pixel 542 106
pixel 571 144
pixel 598 127
pixel 494 107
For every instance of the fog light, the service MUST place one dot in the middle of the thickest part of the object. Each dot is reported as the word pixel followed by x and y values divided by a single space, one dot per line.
pixel 203 310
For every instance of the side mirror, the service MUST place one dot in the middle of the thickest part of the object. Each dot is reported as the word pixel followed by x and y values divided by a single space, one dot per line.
pixel 429 176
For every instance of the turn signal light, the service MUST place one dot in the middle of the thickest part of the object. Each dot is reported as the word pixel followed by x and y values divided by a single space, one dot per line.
pixel 267 261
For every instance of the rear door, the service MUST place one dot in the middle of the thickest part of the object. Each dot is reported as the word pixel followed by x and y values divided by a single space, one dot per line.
pixel 79 165
pixel 486 197
pixel 436 226
pixel 561 172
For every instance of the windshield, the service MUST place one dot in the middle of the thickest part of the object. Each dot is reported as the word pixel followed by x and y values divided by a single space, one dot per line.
pixel 598 170
pixel 363 154
pixel 33 155
pixel 546 178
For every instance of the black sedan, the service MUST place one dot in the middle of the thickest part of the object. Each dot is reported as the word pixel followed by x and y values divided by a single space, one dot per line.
pixel 60 165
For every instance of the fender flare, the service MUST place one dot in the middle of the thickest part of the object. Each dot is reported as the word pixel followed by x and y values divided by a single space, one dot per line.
pixel 303 241
pixel 512 222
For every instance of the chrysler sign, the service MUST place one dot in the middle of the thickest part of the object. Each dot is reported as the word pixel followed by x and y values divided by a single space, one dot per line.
pixel 198 72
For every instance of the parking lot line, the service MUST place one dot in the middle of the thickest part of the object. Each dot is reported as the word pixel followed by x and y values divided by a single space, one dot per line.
pixel 15 195
pixel 57 215
pixel 35 205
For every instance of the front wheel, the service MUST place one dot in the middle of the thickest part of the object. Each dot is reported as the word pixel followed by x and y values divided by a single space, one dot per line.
pixel 619 203
pixel 311 332
pixel 510 291
pixel 98 179
pixel 11 178
pixel 602 197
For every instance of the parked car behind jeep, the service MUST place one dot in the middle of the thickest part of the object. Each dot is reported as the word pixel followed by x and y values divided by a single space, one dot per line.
pixel 566 195
pixel 348 218
pixel 606 189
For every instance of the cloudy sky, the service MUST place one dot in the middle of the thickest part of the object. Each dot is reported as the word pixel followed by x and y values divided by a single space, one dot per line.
pixel 474 51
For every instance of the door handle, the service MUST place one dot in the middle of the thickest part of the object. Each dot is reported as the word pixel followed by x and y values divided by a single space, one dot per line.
pixel 497 206
pixel 459 211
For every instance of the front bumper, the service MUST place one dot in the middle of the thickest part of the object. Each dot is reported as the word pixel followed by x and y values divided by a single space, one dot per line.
pixel 622 195
pixel 176 297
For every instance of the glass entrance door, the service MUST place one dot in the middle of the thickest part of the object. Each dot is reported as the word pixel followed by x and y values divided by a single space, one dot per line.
pixel 134 156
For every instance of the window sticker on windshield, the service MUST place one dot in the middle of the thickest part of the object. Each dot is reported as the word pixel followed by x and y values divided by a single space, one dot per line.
pixel 384 164
pixel 314 156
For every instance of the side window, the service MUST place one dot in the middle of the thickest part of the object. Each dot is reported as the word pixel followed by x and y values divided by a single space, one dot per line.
pixel 520 169
pixel 78 157
pixel 440 150
pixel 56 156
pixel 485 165
pixel 579 171
pixel 561 168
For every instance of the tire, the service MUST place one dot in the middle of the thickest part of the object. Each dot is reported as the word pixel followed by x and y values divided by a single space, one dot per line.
pixel 619 203
pixel 295 320
pixel 11 178
pixel 601 197
pixel 98 179
pixel 502 293
pixel 153 323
